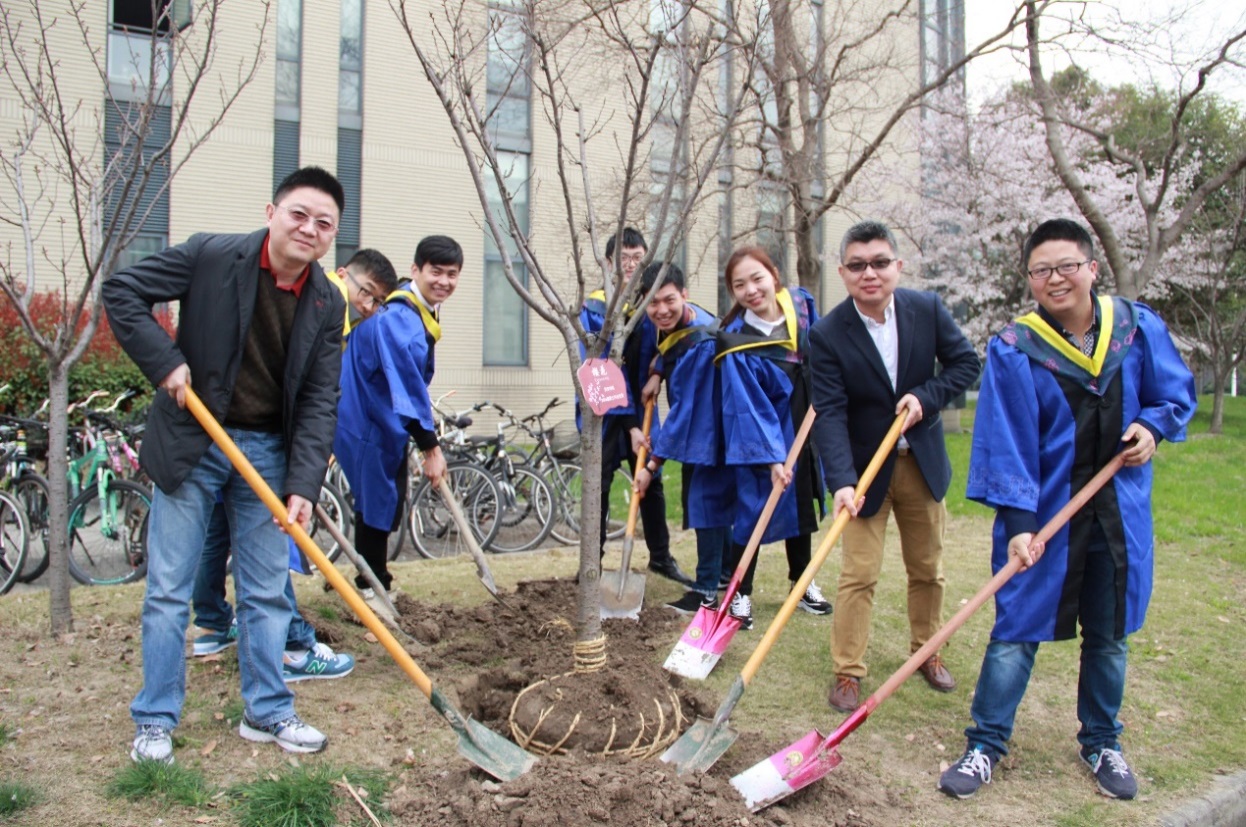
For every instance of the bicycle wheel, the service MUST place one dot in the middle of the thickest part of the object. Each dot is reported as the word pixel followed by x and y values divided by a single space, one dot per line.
pixel 430 524
pixel 108 538
pixel 14 540
pixel 335 509
pixel 567 527
pixel 31 490
pixel 527 510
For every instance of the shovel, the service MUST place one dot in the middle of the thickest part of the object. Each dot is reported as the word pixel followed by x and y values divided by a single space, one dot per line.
pixel 465 531
pixel 706 741
pixel 622 591
pixel 497 756
pixel 697 652
pixel 800 764
pixel 362 565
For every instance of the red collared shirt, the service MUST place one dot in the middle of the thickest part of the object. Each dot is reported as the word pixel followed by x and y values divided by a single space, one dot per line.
pixel 266 264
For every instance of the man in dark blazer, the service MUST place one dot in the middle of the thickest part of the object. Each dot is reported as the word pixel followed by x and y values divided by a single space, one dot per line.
pixel 260 334
pixel 872 358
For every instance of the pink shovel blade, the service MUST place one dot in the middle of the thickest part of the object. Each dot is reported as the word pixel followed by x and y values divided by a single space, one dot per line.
pixel 702 644
pixel 792 768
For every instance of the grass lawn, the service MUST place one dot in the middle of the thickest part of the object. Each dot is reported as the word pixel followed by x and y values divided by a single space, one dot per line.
pixel 65 729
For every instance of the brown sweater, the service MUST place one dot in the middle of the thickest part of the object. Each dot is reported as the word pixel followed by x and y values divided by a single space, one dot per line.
pixel 258 394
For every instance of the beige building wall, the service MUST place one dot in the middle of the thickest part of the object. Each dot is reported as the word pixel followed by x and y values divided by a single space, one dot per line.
pixel 414 177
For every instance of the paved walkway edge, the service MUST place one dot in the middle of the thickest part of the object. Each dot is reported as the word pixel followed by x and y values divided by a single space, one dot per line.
pixel 1224 805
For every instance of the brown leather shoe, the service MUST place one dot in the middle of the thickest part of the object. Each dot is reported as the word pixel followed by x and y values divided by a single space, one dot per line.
pixel 936 675
pixel 846 693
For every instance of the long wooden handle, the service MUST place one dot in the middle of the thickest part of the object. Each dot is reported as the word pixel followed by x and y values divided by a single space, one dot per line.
pixel 642 456
pixel 473 547
pixel 819 557
pixel 313 552
pixel 940 637
pixel 772 502
pixel 351 554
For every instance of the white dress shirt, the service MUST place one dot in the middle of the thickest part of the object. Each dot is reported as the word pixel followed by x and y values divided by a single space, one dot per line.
pixel 888 344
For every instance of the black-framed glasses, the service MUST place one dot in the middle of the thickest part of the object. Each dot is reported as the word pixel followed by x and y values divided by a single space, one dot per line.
pixel 369 298
pixel 300 217
pixel 879 265
pixel 1068 268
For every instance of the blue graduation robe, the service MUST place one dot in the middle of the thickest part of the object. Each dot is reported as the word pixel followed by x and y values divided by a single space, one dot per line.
pixel 764 398
pixel 1040 433
pixel 385 376
pixel 692 433
pixel 638 355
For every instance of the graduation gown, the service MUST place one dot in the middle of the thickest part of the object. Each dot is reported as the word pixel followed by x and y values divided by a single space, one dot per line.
pixel 385 376
pixel 692 433
pixel 765 394
pixel 1048 419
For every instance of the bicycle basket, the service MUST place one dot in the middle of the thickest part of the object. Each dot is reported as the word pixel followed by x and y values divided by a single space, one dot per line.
pixel 564 440
pixel 37 443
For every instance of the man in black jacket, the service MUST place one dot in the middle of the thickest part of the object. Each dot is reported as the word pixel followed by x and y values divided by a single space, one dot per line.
pixel 260 333
pixel 873 357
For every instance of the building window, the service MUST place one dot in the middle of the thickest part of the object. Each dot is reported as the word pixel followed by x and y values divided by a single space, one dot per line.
pixel 505 314
pixel 771 226
pixel 942 39
pixel 667 158
pixel 509 88
pixel 350 126
pixel 140 59
pixel 148 211
pixel 288 89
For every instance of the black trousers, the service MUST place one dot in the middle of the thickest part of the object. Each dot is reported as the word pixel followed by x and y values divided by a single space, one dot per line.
pixel 616 446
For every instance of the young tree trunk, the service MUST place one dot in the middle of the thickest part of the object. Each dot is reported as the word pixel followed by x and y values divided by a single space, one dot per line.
pixel 1217 405
pixel 588 621
pixel 60 609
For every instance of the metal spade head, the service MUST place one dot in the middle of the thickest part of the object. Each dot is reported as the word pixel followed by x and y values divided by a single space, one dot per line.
pixel 792 768
pixel 699 747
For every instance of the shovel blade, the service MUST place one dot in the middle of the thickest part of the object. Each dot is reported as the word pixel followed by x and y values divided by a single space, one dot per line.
pixel 792 768
pixel 503 759
pixel 699 747
pixel 622 594
pixel 702 644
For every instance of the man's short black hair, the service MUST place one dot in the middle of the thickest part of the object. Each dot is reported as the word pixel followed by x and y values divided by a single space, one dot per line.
pixel 374 264
pixel 1058 229
pixel 863 232
pixel 441 250
pixel 631 238
pixel 673 275
pixel 318 179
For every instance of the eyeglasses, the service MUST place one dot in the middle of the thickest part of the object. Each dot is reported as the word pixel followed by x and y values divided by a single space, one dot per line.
pixel 369 298
pixel 300 217
pixel 1068 268
pixel 879 265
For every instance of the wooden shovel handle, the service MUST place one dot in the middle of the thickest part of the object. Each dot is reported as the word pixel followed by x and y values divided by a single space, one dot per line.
pixel 642 456
pixel 313 552
pixel 824 549
pixel 940 637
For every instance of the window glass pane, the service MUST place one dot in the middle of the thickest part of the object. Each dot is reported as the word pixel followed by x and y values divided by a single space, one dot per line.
pixel 509 117
pixel 514 167
pixel 139 248
pixel 505 317
pixel 287 82
pixel 130 61
pixel 349 91
pixel 507 52
pixel 352 34
pixel 289 29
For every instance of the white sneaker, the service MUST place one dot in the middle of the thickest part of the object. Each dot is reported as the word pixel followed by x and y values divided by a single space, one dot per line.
pixel 152 743
pixel 813 602
pixel 742 610
pixel 292 735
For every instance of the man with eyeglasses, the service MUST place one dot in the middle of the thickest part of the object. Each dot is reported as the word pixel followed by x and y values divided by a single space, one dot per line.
pixel 873 358
pixel 1066 388
pixel 259 334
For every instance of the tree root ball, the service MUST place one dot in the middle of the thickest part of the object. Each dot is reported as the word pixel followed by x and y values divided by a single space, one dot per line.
pixel 601 713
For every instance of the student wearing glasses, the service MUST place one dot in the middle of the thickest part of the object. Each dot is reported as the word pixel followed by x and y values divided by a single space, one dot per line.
pixel 260 335
pixel 873 357
pixel 367 275
pixel 1066 388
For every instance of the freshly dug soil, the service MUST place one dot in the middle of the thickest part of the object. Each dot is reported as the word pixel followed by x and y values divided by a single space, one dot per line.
pixel 499 650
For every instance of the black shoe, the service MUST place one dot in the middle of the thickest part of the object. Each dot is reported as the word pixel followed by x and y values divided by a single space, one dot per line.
pixel 1112 773
pixel 962 779
pixel 813 602
pixel 742 610
pixel 669 569
pixel 691 602
pixel 724 580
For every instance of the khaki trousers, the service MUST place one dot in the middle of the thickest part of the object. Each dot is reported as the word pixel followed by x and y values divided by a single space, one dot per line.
pixel 921 521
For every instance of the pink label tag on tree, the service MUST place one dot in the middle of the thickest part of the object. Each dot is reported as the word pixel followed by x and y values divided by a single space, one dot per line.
pixel 603 385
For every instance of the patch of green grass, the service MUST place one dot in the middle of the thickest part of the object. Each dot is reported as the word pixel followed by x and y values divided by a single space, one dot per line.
pixel 233 711
pixel 173 783
pixel 307 797
pixel 327 611
pixel 6 733
pixel 16 796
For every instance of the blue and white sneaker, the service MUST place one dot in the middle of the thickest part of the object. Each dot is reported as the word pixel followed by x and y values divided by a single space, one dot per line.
pixel 318 663
pixel 292 735
pixel 152 743
pixel 1111 772
pixel 213 642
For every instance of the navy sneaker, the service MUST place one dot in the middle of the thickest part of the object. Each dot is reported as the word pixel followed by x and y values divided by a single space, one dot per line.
pixel 213 642
pixel 691 602
pixel 1111 771
pixel 962 779
pixel 319 662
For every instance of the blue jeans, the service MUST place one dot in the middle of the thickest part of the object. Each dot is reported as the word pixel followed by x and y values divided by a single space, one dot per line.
pixel 1101 682
pixel 713 549
pixel 212 610
pixel 177 529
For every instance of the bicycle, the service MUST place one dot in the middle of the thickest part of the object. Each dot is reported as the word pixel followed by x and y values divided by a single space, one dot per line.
pixel 20 451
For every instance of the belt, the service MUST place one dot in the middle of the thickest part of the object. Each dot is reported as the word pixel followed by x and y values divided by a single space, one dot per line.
pixel 904 452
